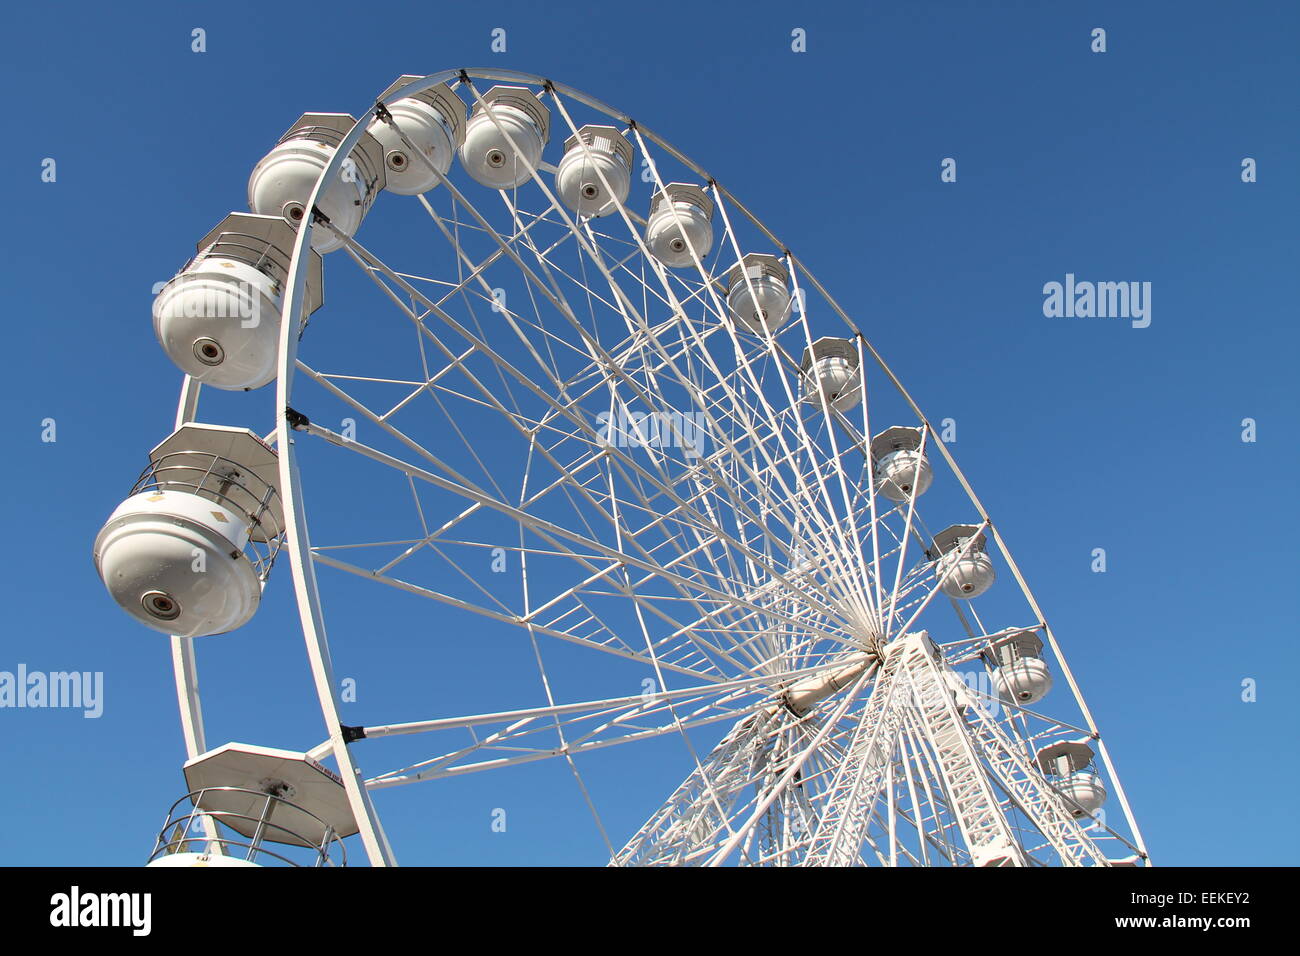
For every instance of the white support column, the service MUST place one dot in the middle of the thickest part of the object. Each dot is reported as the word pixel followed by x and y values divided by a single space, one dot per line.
pixel 847 810
pixel 974 805
pixel 185 668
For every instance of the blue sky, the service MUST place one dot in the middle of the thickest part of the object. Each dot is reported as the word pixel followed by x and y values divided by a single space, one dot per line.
pixel 1077 433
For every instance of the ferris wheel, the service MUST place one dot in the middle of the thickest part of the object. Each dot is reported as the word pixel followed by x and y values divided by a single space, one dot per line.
pixel 585 417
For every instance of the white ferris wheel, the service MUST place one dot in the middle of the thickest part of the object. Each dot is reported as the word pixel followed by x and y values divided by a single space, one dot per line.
pixel 593 420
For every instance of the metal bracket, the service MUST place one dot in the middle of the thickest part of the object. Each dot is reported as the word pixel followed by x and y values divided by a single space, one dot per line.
pixel 295 419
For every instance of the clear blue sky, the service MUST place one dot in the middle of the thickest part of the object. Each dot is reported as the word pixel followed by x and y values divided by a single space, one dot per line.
pixel 1077 433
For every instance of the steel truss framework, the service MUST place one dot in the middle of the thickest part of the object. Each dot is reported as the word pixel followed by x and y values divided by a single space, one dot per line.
pixel 669 500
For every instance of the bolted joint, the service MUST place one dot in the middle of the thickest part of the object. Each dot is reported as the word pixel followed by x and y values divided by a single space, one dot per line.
pixel 351 734
pixel 295 419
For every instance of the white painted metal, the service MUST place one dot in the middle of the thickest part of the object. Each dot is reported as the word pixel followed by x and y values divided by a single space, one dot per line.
pixel 226 782
pixel 831 374
pixel 189 551
pixel 902 467
pixel 504 137
pixel 434 122
pixel 679 231
pixel 786 551
pixel 297 542
pixel 595 174
pixel 1084 791
pixel 433 307
pixel 1028 791
pixel 175 562
pixel 961 564
pixel 757 294
pixel 200 860
pixel 851 798
pixel 230 467
pixel 282 180
pixel 185 668
pixel 218 319
pixel 804 695
pixel 1025 680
